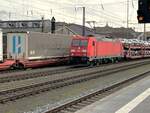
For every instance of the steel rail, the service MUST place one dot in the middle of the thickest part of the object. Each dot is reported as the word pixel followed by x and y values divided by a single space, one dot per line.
pixel 23 76
pixel 79 103
pixel 13 94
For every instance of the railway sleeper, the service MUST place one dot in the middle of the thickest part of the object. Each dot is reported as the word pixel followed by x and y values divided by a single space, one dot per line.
pixel 87 102
pixel 76 107
pixel 90 100
pixel 70 109
pixel 81 104
pixel 60 85
pixel 64 111
pixel 4 101
pixel 95 98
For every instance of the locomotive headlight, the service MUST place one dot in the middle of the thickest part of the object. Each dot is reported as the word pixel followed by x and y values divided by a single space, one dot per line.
pixel 72 50
pixel 84 50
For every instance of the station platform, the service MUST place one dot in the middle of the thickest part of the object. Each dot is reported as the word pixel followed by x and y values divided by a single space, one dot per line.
pixel 132 99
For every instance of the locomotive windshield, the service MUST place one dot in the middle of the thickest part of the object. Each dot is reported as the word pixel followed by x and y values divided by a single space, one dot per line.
pixel 79 42
pixel 83 43
pixel 76 43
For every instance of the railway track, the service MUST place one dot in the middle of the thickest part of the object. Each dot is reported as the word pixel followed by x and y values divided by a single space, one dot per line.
pixel 14 94
pixel 30 75
pixel 12 76
pixel 10 71
pixel 78 103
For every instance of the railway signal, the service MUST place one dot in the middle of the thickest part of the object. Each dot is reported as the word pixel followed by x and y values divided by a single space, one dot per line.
pixel 143 11
pixel 53 25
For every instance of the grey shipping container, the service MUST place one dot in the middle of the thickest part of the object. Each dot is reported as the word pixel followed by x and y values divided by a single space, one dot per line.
pixel 36 45
pixel 1 45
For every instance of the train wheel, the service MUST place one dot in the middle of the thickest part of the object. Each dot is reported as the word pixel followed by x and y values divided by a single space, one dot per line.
pixel 100 62
pixel 21 66
pixel 112 60
pixel 97 63
pixel 117 60
pixel 106 61
pixel 12 67
pixel 88 63
pixel 92 64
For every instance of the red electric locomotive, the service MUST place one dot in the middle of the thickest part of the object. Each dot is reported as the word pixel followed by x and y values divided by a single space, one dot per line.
pixel 95 50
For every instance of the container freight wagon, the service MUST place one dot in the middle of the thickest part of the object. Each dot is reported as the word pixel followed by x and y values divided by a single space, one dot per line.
pixel 1 46
pixel 35 49
pixel 4 64
pixel 92 50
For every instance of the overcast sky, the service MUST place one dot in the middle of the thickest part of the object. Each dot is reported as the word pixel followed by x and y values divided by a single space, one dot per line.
pixel 113 12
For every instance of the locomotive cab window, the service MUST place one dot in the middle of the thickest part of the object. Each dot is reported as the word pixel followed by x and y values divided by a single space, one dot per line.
pixel 93 43
pixel 79 43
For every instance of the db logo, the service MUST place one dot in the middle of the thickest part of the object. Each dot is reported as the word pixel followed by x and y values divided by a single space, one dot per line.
pixel 16 44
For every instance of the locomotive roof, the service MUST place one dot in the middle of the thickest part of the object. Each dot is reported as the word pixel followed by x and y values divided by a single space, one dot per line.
pixel 104 38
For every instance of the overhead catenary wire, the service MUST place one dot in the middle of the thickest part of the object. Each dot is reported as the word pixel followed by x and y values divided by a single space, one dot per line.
pixel 40 4
pixel 114 22
pixel 43 10
pixel 68 13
